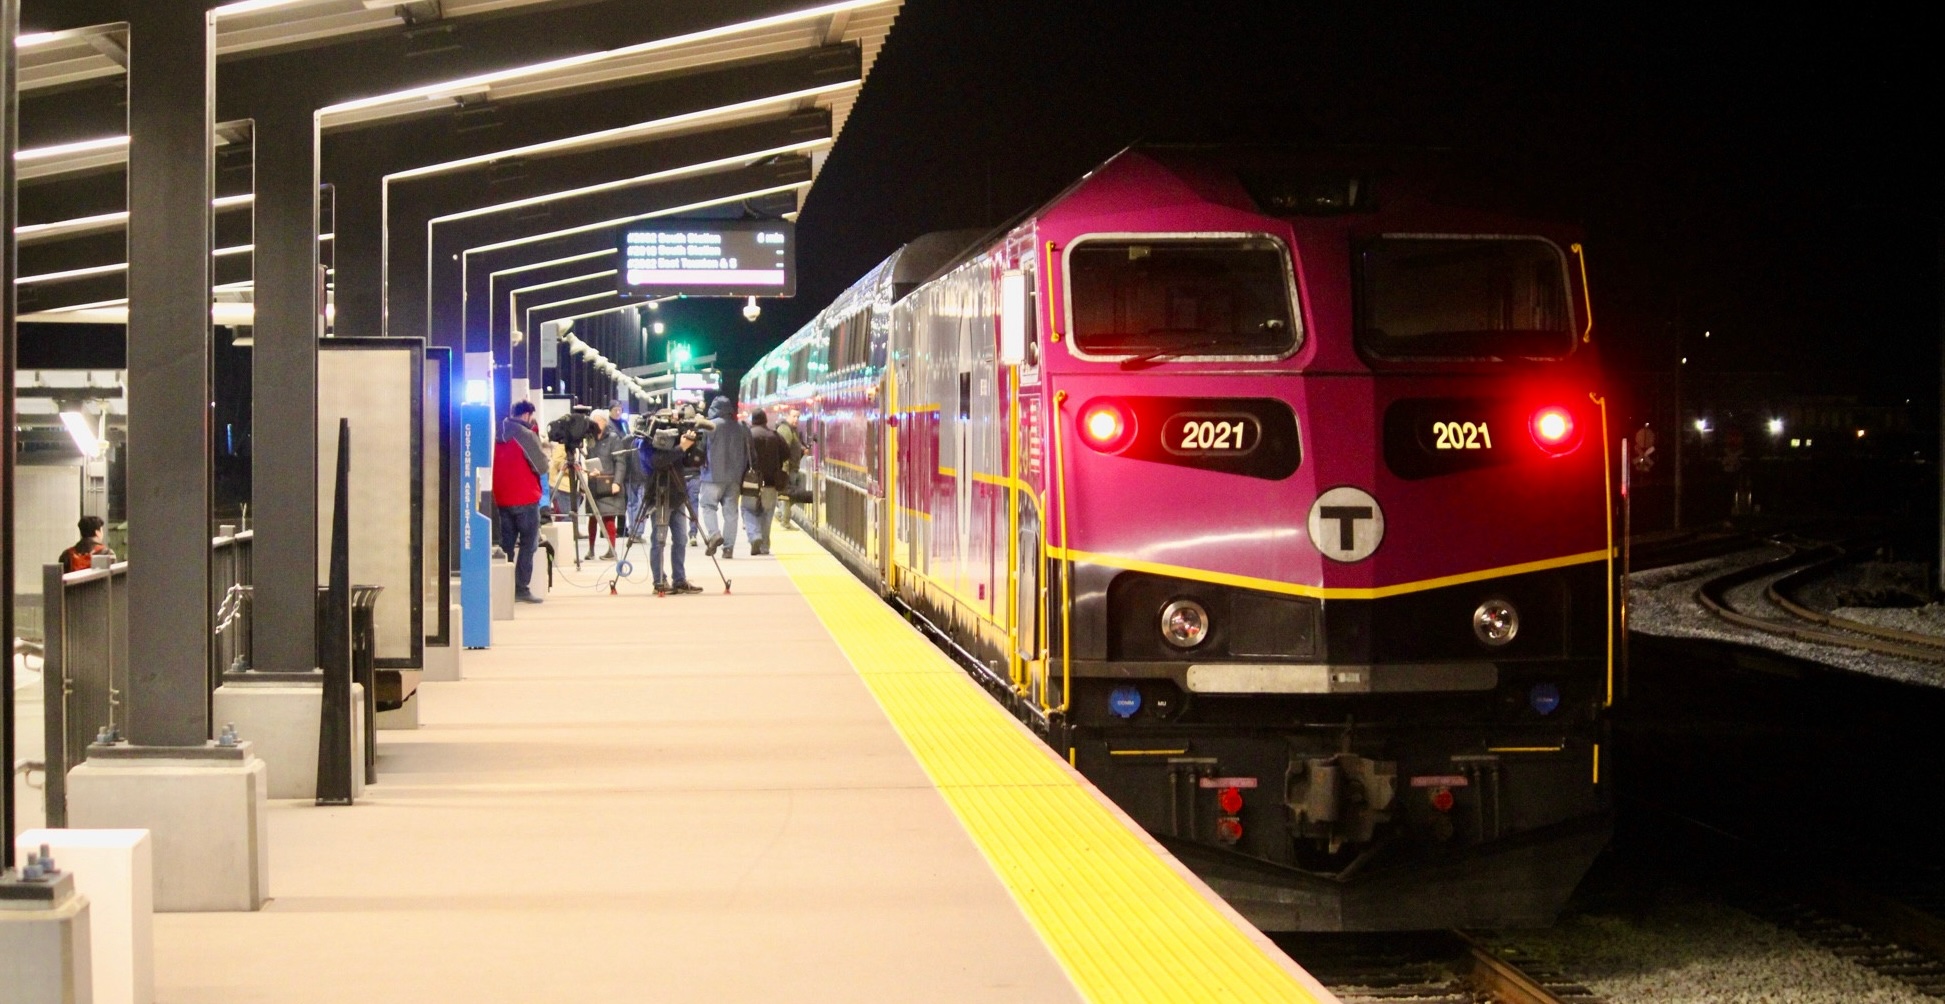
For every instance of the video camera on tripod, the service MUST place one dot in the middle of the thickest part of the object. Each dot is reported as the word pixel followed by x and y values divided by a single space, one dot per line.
pixel 573 429
pixel 664 429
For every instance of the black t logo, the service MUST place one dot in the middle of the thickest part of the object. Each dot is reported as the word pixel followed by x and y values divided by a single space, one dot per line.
pixel 1346 517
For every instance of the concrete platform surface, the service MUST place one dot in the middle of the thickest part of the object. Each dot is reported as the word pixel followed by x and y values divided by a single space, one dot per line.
pixel 630 799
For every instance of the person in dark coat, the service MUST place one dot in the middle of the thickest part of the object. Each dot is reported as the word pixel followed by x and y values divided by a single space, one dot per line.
pixel 793 463
pixel 768 454
pixel 727 459
pixel 606 484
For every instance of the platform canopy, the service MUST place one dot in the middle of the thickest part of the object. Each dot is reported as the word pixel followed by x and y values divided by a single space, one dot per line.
pixel 516 113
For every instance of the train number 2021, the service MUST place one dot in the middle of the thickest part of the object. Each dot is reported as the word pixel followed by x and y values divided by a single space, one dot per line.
pixel 1462 436
pixel 1213 436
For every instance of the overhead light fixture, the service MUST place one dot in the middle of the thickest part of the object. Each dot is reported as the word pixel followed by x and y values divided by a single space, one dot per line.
pixel 611 224
pixel 250 7
pixel 82 433
pixel 570 62
pixel 72 273
pixel 621 132
pixel 64 149
pixel 642 179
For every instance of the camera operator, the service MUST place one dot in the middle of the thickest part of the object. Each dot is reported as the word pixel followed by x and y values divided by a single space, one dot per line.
pixel 669 447
pixel 692 468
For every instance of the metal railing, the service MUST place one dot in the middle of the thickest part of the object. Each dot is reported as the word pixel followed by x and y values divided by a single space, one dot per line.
pixel 85 652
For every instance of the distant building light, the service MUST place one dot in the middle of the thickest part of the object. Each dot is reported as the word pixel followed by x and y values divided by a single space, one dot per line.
pixel 1775 426
pixel 1860 433
pixel 1684 360
pixel 1701 425
pixel 1794 443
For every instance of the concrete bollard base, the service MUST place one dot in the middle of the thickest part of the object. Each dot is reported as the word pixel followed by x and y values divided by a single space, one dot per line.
pixel 206 810
pixel 281 721
pixel 114 870
pixel 44 948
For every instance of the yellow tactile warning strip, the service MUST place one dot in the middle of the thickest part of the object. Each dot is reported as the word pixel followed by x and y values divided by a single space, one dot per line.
pixel 1124 922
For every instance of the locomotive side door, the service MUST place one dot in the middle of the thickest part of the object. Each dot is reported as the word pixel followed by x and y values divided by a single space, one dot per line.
pixel 963 470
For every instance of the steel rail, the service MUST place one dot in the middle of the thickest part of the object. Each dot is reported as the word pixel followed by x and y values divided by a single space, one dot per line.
pixel 1713 596
pixel 1782 593
pixel 1505 981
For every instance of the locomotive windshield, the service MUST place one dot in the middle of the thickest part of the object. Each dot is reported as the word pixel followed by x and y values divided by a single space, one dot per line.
pixel 1177 296
pixel 1463 298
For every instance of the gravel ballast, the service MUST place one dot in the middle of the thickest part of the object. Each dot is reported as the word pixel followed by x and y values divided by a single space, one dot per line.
pixel 1663 604
pixel 1685 949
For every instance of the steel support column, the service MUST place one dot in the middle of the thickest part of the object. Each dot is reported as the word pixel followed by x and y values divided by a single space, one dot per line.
pixel 170 117
pixel 283 478
pixel 9 132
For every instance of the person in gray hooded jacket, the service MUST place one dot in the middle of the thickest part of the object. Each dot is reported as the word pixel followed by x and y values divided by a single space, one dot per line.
pixel 726 459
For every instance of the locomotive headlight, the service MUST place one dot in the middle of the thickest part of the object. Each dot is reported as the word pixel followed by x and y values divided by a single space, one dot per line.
pixel 1184 623
pixel 1496 622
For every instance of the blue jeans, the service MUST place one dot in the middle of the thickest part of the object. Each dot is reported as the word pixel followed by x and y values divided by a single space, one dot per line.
pixel 718 510
pixel 637 519
pixel 757 510
pixel 675 531
pixel 519 535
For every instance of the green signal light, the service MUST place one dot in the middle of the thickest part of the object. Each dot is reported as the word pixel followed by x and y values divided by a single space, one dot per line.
pixel 679 354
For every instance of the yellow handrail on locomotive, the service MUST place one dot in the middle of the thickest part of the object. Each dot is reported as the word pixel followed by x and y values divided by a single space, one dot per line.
pixel 1586 291
pixel 1066 583
pixel 1053 313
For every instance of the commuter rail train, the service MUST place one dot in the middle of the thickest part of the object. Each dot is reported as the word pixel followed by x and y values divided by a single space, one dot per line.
pixel 1272 490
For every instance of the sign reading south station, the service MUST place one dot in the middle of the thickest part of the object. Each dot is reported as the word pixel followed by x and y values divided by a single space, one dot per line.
pixel 708 258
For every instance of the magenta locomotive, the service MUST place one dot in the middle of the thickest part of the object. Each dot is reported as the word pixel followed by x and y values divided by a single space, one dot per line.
pixel 1273 491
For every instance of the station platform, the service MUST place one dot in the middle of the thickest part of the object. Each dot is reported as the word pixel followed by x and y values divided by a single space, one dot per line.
pixel 781 794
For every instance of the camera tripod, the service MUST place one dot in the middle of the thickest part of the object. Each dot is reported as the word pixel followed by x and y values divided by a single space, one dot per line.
pixel 584 497
pixel 675 541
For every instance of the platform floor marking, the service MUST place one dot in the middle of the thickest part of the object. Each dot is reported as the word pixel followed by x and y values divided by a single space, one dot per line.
pixel 1122 921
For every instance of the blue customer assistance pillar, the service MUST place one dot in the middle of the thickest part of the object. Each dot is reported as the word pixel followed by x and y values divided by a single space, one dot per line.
pixel 475 529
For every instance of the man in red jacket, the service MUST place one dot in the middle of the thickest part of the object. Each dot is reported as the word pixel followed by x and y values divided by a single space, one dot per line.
pixel 519 464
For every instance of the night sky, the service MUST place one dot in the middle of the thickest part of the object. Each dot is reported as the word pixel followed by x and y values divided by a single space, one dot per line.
pixel 1772 178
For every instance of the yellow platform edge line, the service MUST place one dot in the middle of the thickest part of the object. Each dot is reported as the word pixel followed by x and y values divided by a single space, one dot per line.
pixel 1125 922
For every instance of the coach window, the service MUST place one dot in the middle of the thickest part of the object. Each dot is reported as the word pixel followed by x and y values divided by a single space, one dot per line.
pixel 1463 298
pixel 1162 297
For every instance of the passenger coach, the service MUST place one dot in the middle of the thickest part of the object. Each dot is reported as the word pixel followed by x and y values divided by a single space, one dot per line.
pixel 1272 490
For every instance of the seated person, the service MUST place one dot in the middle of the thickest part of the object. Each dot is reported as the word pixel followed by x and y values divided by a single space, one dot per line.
pixel 81 555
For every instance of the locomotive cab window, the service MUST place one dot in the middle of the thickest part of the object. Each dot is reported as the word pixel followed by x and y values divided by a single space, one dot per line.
pixel 1168 297
pixel 1463 298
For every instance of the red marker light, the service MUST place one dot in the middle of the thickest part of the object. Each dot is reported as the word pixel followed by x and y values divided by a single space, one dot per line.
pixel 1107 426
pixel 1442 799
pixel 1229 830
pixel 1231 800
pixel 1553 430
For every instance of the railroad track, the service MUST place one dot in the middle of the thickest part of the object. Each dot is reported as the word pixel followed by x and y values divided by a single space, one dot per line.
pixel 1430 967
pixel 1771 591
pixel 1894 927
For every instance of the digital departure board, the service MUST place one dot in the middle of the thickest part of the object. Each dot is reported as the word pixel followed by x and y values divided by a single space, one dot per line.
pixel 709 258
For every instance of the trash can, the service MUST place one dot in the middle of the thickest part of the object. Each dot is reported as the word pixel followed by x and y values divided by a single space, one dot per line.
pixel 364 666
